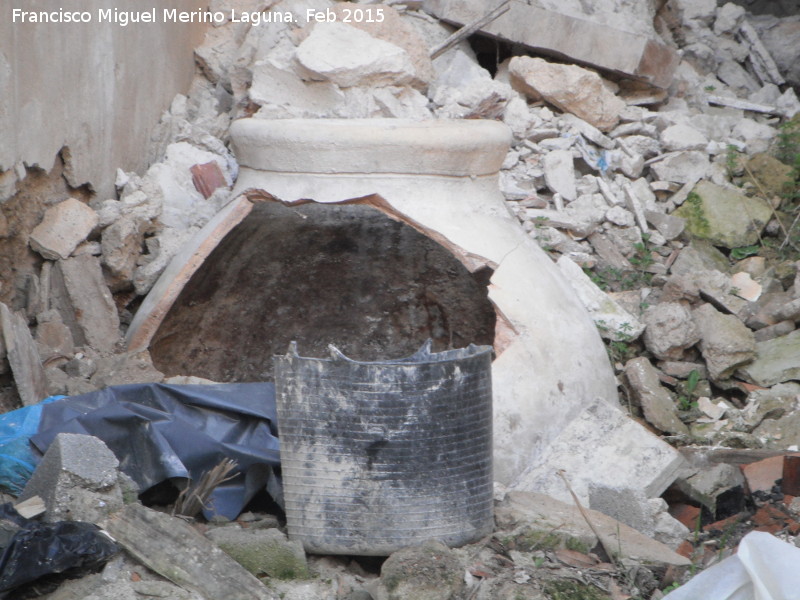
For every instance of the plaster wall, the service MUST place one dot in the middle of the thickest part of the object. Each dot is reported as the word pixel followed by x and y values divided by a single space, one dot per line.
pixel 96 88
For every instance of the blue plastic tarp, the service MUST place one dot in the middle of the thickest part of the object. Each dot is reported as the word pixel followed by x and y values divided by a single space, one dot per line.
pixel 160 431
pixel 17 459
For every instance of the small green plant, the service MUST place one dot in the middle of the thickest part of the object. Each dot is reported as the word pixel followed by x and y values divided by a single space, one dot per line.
pixel 540 222
pixel 744 252
pixel 732 167
pixel 688 401
pixel 698 222
pixel 710 88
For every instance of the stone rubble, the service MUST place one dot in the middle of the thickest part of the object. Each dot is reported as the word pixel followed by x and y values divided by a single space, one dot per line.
pixel 633 192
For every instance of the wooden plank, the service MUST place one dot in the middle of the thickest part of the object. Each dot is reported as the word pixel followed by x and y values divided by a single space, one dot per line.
pixel 174 549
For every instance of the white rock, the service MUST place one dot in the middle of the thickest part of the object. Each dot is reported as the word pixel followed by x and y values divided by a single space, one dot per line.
pixel 682 167
pixel 619 216
pixel 518 117
pixel 613 321
pixel 462 84
pixel 682 137
pixel 571 88
pixel 604 455
pixel 349 57
pixel 729 17
pixel 559 173
pixel 282 94
pixel 401 103
pixel 63 227
pixel 756 135
pixel 701 10
pixel 644 145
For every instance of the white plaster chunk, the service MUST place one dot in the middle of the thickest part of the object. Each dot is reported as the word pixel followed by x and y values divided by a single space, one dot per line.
pixel 595 448
pixel 559 173
pixel 349 57
pixel 401 103
pixel 183 206
pixel 518 117
pixel 283 94
pixel 682 137
pixel 613 321
pixel 63 227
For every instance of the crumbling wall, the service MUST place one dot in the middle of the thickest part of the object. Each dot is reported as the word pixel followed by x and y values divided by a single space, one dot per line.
pixel 89 87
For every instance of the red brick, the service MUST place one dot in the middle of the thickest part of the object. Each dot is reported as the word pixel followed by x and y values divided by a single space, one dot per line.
pixel 726 524
pixel 791 475
pixel 208 178
pixel 686 514
pixel 762 475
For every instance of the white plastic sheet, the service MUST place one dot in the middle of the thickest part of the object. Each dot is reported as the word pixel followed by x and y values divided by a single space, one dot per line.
pixel 764 568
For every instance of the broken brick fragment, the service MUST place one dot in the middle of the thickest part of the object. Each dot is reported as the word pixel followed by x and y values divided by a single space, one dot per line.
pixel 208 178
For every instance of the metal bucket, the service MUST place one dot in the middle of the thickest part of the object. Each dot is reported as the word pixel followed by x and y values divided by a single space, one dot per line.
pixel 377 456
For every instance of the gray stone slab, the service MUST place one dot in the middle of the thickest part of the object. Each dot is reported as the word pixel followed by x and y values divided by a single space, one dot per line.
pixel 23 357
pixel 177 551
pixel 543 513
pixel 80 294
pixel 582 38
pixel 777 360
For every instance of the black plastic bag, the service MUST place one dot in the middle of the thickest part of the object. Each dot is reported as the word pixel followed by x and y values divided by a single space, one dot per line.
pixel 48 553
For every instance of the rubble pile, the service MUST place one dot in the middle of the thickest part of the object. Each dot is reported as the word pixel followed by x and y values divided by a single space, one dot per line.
pixel 665 192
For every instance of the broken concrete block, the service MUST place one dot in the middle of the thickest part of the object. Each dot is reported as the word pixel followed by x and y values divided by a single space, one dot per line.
pixel 63 227
pixel 726 343
pixel 657 404
pixel 125 368
pixel 121 245
pixel 571 88
pixel 174 549
pixel 77 479
pixel 53 337
pixel 23 357
pixel 669 330
pixel 699 10
pixel 723 216
pixel 349 57
pixel 709 484
pixel 263 552
pixel 776 360
pixel 682 137
pixel 620 216
pixel 582 35
pixel 699 256
pixel 757 137
pixel 79 293
pixel 407 573
pixel 682 167
pixel 613 321
pixel 669 226
pixel 541 513
pixel 559 173
pixel 605 433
